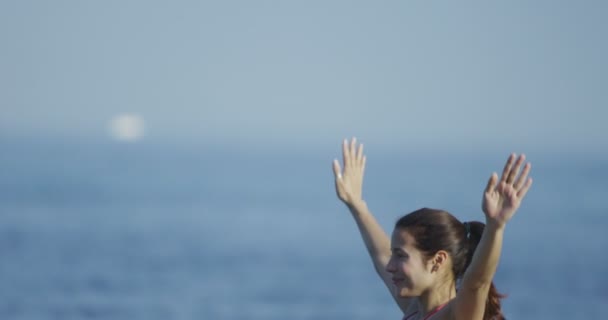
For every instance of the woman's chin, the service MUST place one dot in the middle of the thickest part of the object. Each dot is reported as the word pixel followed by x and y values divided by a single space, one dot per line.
pixel 407 295
pixel 404 292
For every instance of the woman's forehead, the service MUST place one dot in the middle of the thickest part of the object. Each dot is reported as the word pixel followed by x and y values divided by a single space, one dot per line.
pixel 401 238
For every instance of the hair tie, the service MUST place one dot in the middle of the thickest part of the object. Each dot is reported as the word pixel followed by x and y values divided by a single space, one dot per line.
pixel 467 230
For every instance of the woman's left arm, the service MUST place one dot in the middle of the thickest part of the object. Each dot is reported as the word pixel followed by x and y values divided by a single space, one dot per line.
pixel 500 202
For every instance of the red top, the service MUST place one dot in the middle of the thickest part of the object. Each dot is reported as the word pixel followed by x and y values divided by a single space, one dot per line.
pixel 428 315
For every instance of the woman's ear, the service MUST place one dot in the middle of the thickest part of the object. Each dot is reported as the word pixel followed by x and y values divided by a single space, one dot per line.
pixel 439 260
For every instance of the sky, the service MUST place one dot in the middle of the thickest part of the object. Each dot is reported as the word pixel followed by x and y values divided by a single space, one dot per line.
pixel 453 74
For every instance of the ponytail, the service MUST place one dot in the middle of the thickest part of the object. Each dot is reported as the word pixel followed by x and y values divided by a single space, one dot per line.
pixel 436 230
pixel 473 233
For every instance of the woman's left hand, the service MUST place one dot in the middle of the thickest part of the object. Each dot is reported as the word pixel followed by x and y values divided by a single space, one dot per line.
pixel 502 199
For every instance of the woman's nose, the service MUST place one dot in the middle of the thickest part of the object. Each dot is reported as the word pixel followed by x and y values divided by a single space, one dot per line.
pixel 390 268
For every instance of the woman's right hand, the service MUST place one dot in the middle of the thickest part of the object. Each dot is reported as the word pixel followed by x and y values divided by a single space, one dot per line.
pixel 349 181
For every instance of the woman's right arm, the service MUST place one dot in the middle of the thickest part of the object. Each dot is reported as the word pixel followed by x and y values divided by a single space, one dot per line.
pixel 349 186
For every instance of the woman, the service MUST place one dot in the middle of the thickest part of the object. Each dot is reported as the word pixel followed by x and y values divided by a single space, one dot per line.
pixel 430 250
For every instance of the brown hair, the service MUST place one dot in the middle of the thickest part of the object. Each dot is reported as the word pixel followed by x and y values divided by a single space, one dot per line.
pixel 436 230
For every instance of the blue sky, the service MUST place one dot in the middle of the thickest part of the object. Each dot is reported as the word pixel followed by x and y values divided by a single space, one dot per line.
pixel 527 74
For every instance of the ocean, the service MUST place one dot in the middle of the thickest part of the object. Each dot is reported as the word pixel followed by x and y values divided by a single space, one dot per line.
pixel 143 231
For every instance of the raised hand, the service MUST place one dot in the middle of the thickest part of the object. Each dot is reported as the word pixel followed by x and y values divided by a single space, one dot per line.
pixel 349 182
pixel 502 199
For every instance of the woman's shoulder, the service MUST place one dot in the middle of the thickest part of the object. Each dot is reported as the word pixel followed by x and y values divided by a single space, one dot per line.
pixel 411 311
pixel 441 313
pixel 444 313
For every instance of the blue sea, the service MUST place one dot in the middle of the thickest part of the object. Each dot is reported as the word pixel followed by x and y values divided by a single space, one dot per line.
pixel 163 231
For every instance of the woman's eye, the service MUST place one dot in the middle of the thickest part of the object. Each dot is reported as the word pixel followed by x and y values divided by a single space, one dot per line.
pixel 400 255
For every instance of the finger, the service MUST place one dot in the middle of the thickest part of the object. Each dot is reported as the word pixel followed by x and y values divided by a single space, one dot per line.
pixel 345 155
pixel 491 182
pixel 337 170
pixel 522 192
pixel 507 169
pixel 502 187
pixel 363 161
pixel 353 150
pixel 510 192
pixel 522 177
pixel 515 169
pixel 360 153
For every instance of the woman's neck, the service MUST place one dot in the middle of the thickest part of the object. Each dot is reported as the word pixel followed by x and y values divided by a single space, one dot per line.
pixel 436 297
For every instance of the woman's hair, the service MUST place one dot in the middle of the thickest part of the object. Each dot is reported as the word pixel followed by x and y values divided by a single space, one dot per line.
pixel 436 230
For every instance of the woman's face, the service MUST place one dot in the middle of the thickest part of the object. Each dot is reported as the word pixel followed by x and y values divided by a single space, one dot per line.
pixel 411 272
